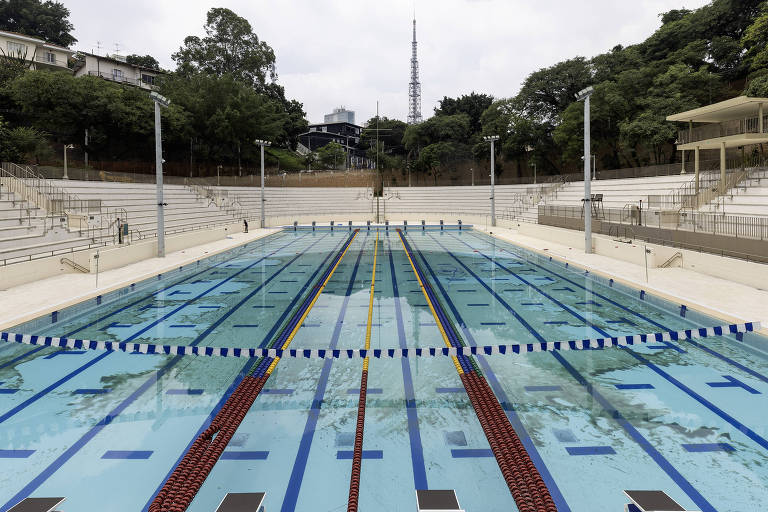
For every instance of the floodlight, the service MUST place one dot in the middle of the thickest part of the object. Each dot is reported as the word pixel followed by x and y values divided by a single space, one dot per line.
pixel 159 99
pixel 490 138
pixel 584 93
pixel 260 142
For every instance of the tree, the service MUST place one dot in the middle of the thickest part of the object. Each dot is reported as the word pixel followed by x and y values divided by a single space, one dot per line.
pixel 47 20
pixel 472 104
pixel 146 61
pixel 332 155
pixel 755 41
pixel 390 135
pixel 547 92
pixel 230 47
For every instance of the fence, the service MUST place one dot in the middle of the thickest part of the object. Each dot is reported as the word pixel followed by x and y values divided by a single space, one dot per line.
pixel 754 228
pixel 34 188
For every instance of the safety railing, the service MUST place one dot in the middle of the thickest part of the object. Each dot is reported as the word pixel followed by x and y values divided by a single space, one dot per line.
pixel 739 226
pixel 34 188
pixel 724 129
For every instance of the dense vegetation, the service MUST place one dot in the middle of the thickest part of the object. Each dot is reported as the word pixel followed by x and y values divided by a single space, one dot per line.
pixel 694 58
pixel 224 94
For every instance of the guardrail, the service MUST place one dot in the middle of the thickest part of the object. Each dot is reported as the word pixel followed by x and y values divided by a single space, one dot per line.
pixel 36 189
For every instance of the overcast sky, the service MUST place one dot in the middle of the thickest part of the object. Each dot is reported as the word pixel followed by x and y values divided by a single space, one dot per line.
pixel 353 53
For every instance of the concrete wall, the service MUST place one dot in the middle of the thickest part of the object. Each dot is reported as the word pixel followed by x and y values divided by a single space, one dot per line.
pixel 732 269
pixel 27 272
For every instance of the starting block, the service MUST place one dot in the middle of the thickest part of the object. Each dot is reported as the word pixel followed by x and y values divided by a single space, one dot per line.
pixel 437 501
pixel 242 502
pixel 652 501
pixel 37 505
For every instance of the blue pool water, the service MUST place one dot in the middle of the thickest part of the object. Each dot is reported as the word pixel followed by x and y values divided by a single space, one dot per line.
pixel 105 429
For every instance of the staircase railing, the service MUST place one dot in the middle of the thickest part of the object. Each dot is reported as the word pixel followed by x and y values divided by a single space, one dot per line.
pixel 36 189
pixel 76 266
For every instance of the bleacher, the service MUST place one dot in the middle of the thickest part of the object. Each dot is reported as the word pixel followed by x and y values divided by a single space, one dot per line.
pixel 749 198
pixel 287 202
pixel 184 210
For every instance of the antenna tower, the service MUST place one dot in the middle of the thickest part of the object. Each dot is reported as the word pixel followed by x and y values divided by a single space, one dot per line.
pixel 414 87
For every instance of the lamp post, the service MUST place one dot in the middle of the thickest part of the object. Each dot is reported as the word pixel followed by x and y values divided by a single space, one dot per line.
pixel 66 147
pixel 492 139
pixel 585 95
pixel 263 143
pixel 160 101
pixel 533 164
pixel 472 171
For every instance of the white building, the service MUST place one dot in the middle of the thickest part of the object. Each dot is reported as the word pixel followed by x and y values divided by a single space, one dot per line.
pixel 37 52
pixel 115 69
pixel 340 115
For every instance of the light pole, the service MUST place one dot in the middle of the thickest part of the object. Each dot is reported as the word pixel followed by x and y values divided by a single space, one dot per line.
pixel 160 101
pixel 472 171
pixel 533 164
pixel 263 143
pixel 585 95
pixel 66 147
pixel 492 139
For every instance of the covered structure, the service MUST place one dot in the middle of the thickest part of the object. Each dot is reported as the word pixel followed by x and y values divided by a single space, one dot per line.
pixel 733 123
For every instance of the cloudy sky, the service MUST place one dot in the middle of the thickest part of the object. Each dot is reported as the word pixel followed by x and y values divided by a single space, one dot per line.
pixel 353 53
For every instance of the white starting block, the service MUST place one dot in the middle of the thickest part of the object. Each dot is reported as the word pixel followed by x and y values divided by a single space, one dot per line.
pixel 652 501
pixel 37 505
pixel 437 501
pixel 242 502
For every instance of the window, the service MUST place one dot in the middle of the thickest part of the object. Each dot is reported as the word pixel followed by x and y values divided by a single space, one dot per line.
pixel 117 74
pixel 16 49
pixel 148 79
pixel 324 128
pixel 50 58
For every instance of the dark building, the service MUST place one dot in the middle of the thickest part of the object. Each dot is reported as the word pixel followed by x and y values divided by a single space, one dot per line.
pixel 346 134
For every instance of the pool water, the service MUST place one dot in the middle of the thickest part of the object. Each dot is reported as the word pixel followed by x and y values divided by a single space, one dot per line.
pixel 105 429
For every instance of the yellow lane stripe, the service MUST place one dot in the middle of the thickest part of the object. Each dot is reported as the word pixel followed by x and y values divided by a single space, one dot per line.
pixel 370 302
pixel 431 307
pixel 311 304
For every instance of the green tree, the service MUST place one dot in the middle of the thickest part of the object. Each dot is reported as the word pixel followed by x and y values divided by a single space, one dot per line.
pixel 230 47
pixel 146 61
pixel 473 105
pixel 755 41
pixel 47 20
pixel 390 133
pixel 332 156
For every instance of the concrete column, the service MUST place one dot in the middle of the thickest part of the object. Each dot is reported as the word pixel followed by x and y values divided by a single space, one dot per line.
pixel 683 169
pixel 690 131
pixel 696 170
pixel 722 167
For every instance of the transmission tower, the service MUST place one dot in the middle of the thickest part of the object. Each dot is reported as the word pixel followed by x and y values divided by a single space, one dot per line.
pixel 414 87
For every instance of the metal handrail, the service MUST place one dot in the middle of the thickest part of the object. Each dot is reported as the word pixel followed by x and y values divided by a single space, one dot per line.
pixel 36 189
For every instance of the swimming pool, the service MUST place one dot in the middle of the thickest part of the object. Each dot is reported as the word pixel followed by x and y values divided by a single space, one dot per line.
pixel 105 429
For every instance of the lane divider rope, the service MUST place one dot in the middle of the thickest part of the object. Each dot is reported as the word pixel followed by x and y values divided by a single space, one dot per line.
pixel 188 476
pixel 384 353
pixel 357 452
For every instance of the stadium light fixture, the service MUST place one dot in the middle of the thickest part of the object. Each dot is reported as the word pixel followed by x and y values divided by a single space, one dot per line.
pixel 263 143
pixel 585 95
pixel 492 139
pixel 160 101
pixel 66 147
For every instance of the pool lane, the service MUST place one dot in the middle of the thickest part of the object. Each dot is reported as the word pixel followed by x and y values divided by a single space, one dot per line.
pixel 119 394
pixel 743 459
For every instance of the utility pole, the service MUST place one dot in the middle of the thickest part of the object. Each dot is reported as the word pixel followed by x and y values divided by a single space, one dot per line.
pixel 264 143
pixel 66 147
pixel 492 139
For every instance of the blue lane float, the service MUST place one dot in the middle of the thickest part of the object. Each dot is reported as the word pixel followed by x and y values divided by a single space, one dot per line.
pixel 391 353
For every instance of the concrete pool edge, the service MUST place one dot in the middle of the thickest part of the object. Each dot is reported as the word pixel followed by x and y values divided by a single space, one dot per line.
pixel 510 235
pixel 52 302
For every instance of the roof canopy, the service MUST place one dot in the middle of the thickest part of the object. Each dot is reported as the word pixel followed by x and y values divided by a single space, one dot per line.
pixel 735 108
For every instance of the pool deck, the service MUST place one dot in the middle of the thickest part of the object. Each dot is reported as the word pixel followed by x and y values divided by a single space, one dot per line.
pixel 25 302
pixel 732 302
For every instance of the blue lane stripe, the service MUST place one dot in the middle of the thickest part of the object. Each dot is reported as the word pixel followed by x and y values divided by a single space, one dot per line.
pixel 244 455
pixel 708 447
pixel 414 433
pixel 543 388
pixel 286 391
pixel 514 419
pixel 127 455
pixel 367 454
pixel 590 450
pixel 370 391
pixel 634 386
pixel 449 390
pixel 660 460
pixel 696 344
pixel 184 392
pixel 92 391
pixel 8 391
pixel 246 368
pixel 300 463
pixel 15 454
pixel 470 453
pixel 72 450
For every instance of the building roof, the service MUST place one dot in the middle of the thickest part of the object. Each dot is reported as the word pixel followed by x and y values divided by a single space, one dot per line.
pixel 118 61
pixel 33 39
pixel 335 122
pixel 735 108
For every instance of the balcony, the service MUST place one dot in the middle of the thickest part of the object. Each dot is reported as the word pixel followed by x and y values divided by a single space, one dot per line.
pixel 745 126
pixel 51 59
pixel 122 79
